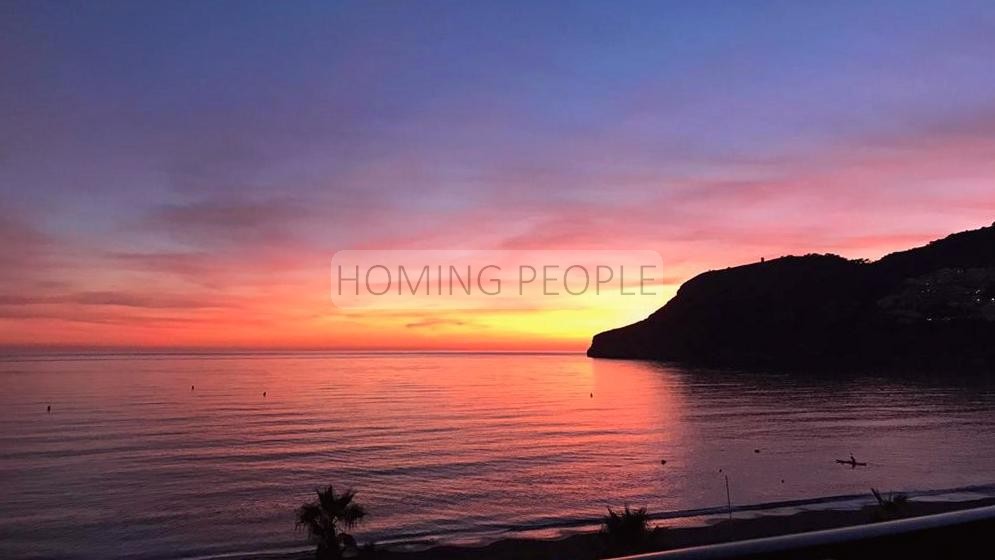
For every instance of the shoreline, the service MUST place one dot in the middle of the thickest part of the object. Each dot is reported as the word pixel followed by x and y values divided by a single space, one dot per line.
pixel 587 545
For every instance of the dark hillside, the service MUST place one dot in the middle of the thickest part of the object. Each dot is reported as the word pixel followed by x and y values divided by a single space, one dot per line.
pixel 933 306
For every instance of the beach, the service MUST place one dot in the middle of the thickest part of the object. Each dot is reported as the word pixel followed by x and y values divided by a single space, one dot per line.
pixel 588 545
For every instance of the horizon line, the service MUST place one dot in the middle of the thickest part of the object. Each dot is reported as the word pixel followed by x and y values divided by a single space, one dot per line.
pixel 98 350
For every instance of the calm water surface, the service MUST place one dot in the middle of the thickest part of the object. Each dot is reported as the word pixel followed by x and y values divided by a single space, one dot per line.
pixel 462 447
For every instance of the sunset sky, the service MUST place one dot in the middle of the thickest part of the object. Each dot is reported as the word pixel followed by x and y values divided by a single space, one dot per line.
pixel 180 174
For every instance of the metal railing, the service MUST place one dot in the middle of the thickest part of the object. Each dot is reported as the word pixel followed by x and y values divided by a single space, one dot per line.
pixel 828 538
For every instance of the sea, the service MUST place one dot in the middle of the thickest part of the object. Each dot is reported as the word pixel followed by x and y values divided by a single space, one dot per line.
pixel 208 455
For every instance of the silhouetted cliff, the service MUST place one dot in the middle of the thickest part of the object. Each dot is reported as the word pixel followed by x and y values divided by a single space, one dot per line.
pixel 928 307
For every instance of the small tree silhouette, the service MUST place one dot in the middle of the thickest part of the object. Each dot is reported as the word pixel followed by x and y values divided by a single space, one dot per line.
pixel 891 506
pixel 626 532
pixel 323 518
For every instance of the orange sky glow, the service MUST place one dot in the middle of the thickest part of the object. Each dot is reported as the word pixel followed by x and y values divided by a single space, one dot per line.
pixel 163 185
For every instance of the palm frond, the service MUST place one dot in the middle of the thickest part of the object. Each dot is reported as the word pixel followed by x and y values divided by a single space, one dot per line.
pixel 327 499
pixel 352 515
pixel 308 515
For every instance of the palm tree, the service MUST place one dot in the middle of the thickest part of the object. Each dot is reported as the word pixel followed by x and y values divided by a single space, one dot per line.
pixel 627 532
pixel 323 518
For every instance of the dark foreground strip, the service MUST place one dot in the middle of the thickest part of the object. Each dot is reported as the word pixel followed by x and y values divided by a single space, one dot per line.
pixel 966 533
